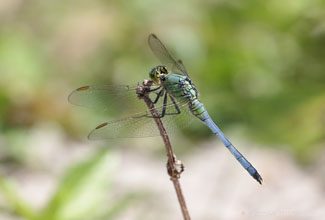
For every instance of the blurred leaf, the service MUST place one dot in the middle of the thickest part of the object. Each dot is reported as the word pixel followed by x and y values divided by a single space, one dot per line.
pixel 83 189
pixel 119 206
pixel 21 61
pixel 15 203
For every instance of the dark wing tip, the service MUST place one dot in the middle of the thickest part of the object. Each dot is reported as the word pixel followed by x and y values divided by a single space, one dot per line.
pixel 76 90
pixel 83 88
pixel 90 135
pixel 101 125
pixel 153 35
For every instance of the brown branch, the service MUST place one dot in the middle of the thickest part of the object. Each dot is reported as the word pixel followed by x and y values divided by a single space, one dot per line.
pixel 173 164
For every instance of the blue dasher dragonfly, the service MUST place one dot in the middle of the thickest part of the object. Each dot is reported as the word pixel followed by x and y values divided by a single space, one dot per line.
pixel 175 97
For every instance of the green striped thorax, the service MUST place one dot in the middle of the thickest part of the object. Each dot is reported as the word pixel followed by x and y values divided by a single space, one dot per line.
pixel 181 88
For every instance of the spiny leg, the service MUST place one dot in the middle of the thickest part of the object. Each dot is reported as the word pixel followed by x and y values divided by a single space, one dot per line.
pixel 155 89
pixel 176 107
pixel 164 105
pixel 160 94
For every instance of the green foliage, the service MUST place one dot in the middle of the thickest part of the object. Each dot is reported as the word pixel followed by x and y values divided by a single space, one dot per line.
pixel 255 64
pixel 259 65
pixel 83 193
pixel 269 71
pixel 15 203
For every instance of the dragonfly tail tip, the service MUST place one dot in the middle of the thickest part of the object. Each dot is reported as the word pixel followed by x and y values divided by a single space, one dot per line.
pixel 258 178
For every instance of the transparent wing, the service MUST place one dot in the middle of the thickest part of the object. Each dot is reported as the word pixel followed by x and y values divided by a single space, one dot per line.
pixel 143 124
pixel 164 56
pixel 104 96
pixel 129 127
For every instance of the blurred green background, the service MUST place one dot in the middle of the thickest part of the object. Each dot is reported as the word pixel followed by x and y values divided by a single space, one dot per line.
pixel 259 67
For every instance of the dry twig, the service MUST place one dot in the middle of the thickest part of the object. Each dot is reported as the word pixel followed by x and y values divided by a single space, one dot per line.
pixel 174 166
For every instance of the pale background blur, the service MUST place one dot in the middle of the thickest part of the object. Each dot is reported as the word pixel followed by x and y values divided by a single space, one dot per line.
pixel 259 67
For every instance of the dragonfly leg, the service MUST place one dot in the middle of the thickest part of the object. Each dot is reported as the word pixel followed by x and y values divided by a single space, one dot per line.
pixel 160 94
pixel 164 106
pixel 176 107
pixel 155 89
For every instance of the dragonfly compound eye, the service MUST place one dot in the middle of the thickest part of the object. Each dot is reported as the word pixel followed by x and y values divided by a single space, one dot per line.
pixel 163 70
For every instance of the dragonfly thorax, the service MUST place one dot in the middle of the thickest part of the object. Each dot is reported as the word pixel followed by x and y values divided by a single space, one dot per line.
pixel 158 74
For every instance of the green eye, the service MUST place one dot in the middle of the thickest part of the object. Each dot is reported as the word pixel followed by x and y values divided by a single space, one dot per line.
pixel 163 70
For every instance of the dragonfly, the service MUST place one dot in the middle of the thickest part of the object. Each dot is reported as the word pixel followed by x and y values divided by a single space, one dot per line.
pixel 175 97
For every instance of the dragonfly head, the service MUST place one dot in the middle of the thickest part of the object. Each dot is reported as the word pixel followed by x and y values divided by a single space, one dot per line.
pixel 158 74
